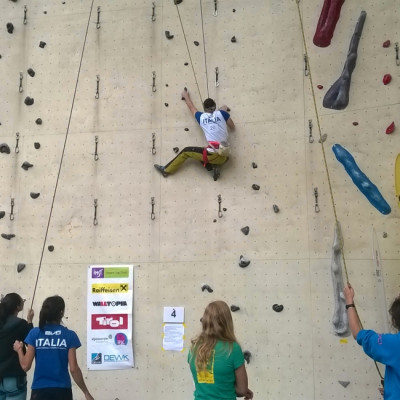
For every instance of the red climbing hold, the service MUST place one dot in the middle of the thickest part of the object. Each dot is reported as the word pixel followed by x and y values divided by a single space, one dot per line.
pixel 387 79
pixel 320 87
pixel 386 44
pixel 390 129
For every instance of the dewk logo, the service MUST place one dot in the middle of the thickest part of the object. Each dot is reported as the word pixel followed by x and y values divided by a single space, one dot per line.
pixel 98 288
pixel 110 321
pixel 115 357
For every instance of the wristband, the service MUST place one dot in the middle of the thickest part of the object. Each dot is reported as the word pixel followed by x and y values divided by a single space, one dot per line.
pixel 350 305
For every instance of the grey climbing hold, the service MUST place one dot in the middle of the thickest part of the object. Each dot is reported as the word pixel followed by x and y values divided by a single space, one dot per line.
pixel 196 43
pixel 5 148
pixel 10 27
pixel 344 383
pixel 20 267
pixel 42 44
pixel 254 165
pixel 255 187
pixel 7 236
pixel 31 72
pixel 35 195
pixel 39 121
pixel 277 307
pixel 243 262
pixel 384 234
pixel 176 149
pixel 2 214
pixel 37 145
pixel 50 248
pixel 275 208
pixel 206 287
pixel 29 101
pixel 176 2
pixel 247 356
pixel 234 308
pixel 26 165
pixel 168 35
pixel 233 39
pixel 323 138
pixel 245 230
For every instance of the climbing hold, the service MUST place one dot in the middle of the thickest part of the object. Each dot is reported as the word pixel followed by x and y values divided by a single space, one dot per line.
pixel 50 248
pixel 386 43
pixel 355 123
pixel 166 104
pixel 176 2
pixel 390 129
pixel 29 101
pixel 31 72
pixel 275 208
pixel 42 44
pixel 247 356
pixel 277 307
pixel 214 220
pixel 35 195
pixel 186 63
pixel 206 287
pixel 7 236
pixel 176 150
pixel 245 230
pixel 5 148
pixel 243 262
pixel 196 43
pixel 168 35
pixel 2 214
pixel 384 235
pixel 233 39
pixel 39 121
pixel 387 78
pixel 37 145
pixel 255 187
pixel 254 165
pixel 224 209
pixel 26 165
pixel 344 383
pixel 233 10
pixel 323 138
pixel 367 188
pixel 10 27
pixel 320 87
pixel 20 267
pixel 187 129
pixel 234 308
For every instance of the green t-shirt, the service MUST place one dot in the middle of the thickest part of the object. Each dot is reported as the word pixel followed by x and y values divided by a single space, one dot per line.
pixel 218 382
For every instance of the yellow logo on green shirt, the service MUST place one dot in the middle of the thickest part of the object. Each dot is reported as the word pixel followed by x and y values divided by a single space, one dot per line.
pixel 207 376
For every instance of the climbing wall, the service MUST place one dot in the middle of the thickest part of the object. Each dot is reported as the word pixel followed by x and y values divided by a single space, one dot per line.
pixel 107 88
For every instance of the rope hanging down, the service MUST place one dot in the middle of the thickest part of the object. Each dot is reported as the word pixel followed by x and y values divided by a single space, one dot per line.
pixel 324 155
pixel 62 158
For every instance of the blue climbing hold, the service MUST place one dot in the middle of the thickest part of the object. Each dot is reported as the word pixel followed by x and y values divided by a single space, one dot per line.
pixel 366 187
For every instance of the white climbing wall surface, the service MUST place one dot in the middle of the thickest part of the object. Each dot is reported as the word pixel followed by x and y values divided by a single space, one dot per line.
pixel 184 243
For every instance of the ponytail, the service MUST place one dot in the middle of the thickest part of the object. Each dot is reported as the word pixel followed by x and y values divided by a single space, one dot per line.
pixel 52 311
pixel 8 306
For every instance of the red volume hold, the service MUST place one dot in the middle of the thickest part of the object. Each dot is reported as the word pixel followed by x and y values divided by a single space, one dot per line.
pixel 387 79
pixel 386 44
pixel 390 129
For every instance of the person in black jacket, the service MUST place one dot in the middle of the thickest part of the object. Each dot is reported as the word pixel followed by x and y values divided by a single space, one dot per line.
pixel 12 376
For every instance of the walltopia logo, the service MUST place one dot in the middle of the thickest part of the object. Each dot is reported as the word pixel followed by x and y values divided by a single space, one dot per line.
pixel 110 288
pixel 109 321
pixel 110 303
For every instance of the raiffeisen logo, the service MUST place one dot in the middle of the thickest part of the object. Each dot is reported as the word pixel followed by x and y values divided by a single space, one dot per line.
pixel 103 288
pixel 110 303
pixel 109 321
pixel 115 357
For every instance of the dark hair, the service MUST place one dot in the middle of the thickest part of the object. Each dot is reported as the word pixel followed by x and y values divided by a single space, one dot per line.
pixel 52 311
pixel 395 313
pixel 8 305
pixel 209 104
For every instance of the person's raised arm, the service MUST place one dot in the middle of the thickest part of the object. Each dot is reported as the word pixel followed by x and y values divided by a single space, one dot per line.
pixel 188 101
pixel 354 321
pixel 229 121
pixel 25 359
pixel 241 384
pixel 77 373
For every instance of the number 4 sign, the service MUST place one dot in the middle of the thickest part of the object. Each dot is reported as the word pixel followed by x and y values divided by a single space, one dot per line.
pixel 174 314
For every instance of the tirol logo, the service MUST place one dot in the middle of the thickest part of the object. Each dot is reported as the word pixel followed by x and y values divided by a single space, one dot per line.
pixel 109 303
pixel 121 339
pixel 97 272
pixel 98 288
pixel 96 358
pixel 115 357
pixel 109 321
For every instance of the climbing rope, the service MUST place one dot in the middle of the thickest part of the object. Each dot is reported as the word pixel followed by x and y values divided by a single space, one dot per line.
pixel 324 157
pixel 204 46
pixel 62 158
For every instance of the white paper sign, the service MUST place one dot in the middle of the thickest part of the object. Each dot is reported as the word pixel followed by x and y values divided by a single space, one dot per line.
pixel 173 337
pixel 174 314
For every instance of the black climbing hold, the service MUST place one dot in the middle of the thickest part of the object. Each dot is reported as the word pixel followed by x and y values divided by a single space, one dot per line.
pixel 234 308
pixel 5 148
pixel 26 165
pixel 243 262
pixel 31 72
pixel 196 43
pixel 233 39
pixel 206 287
pixel 166 84
pixel 7 236
pixel 166 104
pixel 176 2
pixel 254 165
pixel 215 220
pixel 255 187
pixel 10 27
pixel 39 121
pixel 50 248
pixel 245 230
pixel 20 267
pixel 168 35
pixel 344 383
pixel 228 109
pixel 277 307
pixel 44 12
pixel 37 145
pixel 224 209
pixel 176 149
pixel 2 214
pixel 384 235
pixel 29 101
pixel 276 208
pixel 247 356
pixel 234 10
pixel 42 44
pixel 35 195
pixel 186 63
pixel 187 129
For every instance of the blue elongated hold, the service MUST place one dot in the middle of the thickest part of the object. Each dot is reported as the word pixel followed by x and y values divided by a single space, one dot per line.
pixel 368 189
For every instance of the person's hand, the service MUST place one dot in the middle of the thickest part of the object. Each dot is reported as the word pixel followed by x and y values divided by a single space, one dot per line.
pixel 381 391
pixel 349 294
pixel 185 94
pixel 17 345
pixel 88 396
pixel 248 395
pixel 30 315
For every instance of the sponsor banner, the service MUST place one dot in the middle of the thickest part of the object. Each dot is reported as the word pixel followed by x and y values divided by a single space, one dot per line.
pixel 109 319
